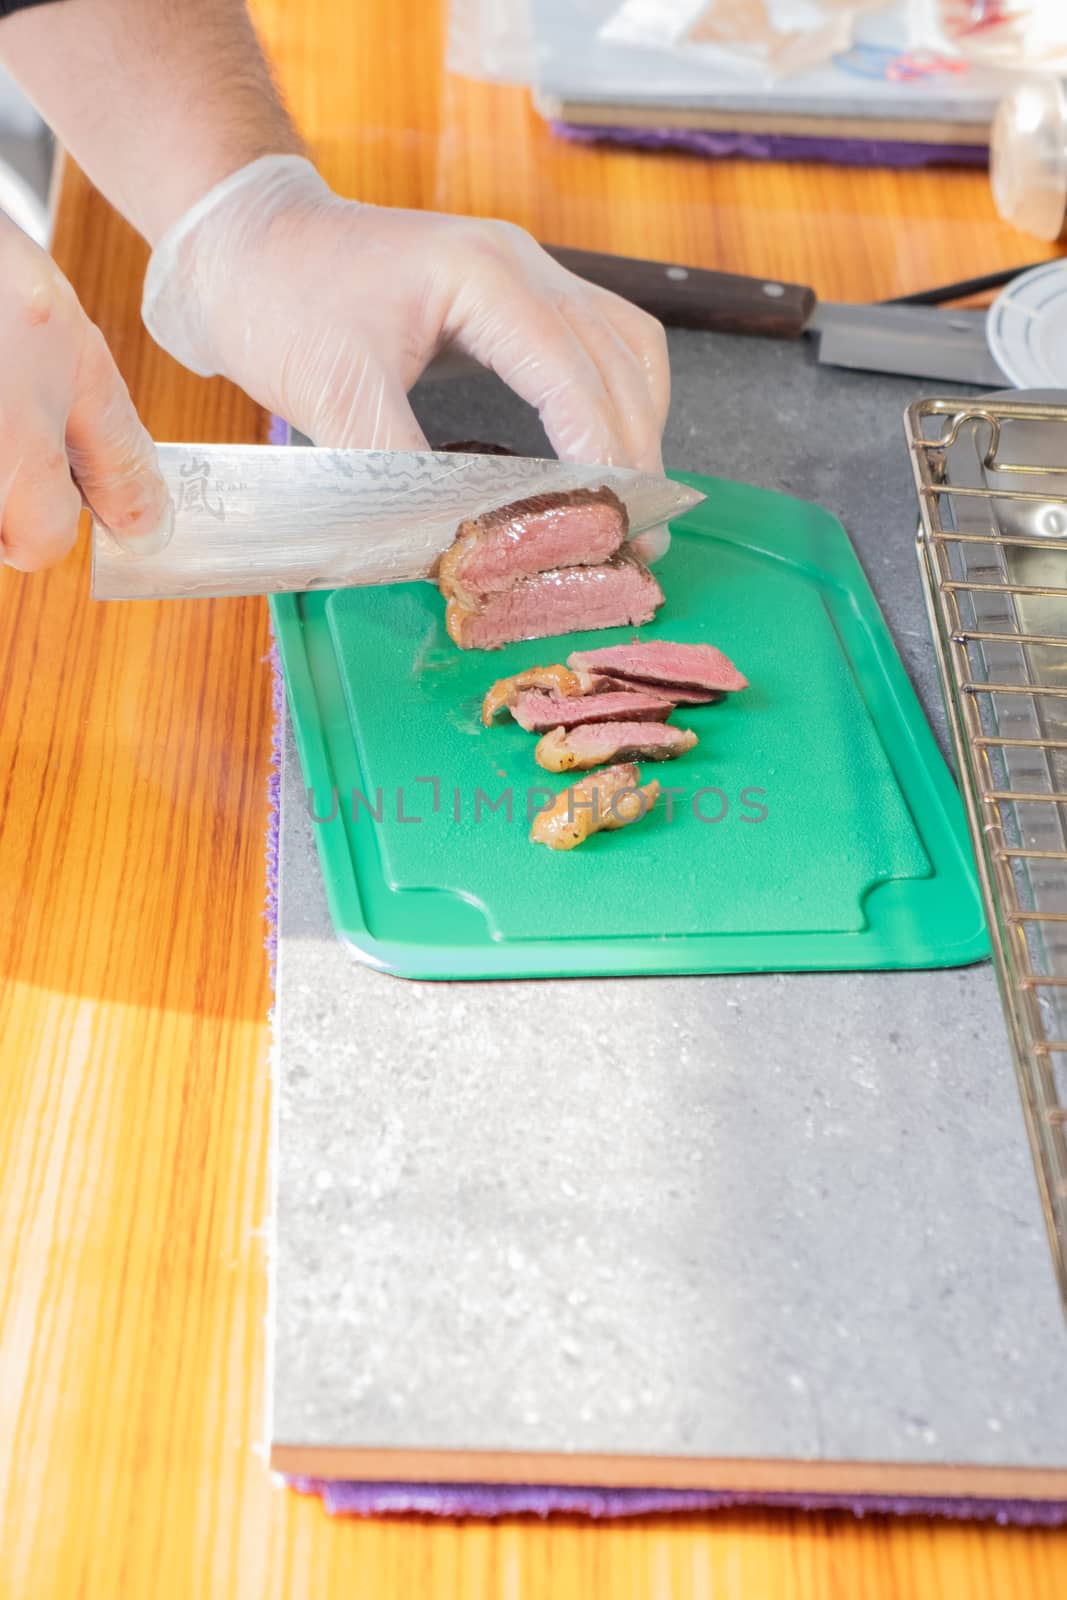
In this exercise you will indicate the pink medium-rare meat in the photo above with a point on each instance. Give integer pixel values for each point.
(548, 565)
(539, 711)
(619, 593)
(594, 683)
(577, 527)
(659, 663)
(609, 799)
(562, 681)
(505, 691)
(591, 744)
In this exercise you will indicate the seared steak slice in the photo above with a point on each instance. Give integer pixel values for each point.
(595, 683)
(505, 691)
(539, 712)
(662, 664)
(619, 593)
(608, 799)
(592, 743)
(568, 684)
(475, 447)
(578, 527)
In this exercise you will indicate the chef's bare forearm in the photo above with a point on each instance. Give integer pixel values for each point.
(157, 100)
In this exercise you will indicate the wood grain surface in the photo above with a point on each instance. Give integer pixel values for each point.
(134, 753)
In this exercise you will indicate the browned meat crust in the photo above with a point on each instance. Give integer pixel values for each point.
(609, 799)
(594, 743)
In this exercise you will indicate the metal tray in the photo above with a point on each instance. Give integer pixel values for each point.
(992, 482)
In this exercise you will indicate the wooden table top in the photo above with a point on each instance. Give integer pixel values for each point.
(134, 758)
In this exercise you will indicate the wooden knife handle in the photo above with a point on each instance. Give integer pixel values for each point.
(693, 297)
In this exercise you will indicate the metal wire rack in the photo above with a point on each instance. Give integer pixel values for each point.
(992, 482)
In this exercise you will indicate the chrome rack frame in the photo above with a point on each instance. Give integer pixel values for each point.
(992, 546)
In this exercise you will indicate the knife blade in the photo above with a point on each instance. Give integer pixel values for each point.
(262, 519)
(919, 341)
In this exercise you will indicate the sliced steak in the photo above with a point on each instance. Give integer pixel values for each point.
(568, 684)
(578, 527)
(617, 594)
(540, 712)
(475, 447)
(609, 799)
(505, 691)
(595, 683)
(663, 664)
(591, 744)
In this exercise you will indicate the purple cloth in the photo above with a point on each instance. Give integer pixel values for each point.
(509, 1500)
(505, 1500)
(779, 146)
(274, 790)
(277, 433)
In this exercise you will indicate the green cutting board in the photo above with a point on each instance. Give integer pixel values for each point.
(815, 826)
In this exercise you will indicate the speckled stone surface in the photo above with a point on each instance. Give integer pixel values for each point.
(760, 1216)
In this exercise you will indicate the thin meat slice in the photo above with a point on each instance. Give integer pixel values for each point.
(591, 744)
(505, 691)
(619, 593)
(539, 711)
(609, 799)
(576, 527)
(659, 662)
(475, 447)
(594, 683)
(562, 681)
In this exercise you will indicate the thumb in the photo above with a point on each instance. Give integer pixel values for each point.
(112, 457)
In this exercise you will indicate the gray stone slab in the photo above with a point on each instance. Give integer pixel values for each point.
(786, 1217)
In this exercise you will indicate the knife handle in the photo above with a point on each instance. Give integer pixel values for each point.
(693, 297)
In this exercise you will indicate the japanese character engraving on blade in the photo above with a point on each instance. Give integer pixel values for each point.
(256, 519)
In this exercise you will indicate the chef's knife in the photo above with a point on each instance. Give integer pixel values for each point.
(921, 341)
(261, 519)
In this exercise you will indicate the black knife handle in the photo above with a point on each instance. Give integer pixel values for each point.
(963, 290)
(694, 297)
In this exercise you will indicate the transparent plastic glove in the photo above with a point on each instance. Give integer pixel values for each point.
(66, 420)
(326, 311)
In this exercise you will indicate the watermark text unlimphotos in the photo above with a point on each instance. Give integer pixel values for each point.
(425, 799)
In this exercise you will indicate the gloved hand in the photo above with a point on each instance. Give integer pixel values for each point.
(66, 418)
(326, 311)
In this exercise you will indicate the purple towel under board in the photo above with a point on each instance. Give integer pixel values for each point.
(491, 1501)
(779, 146)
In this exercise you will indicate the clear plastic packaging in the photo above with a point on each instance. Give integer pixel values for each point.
(1015, 35)
(956, 40)
(491, 39)
(1028, 158)
(495, 39)
(774, 37)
